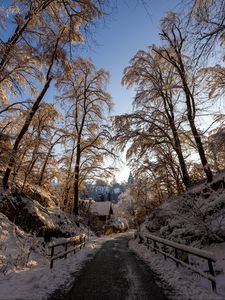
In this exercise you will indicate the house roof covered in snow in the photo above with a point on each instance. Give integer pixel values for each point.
(101, 208)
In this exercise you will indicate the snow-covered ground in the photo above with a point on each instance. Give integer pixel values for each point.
(180, 283)
(24, 264)
(195, 218)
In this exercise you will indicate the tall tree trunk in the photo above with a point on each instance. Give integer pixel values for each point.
(18, 165)
(176, 177)
(185, 176)
(191, 116)
(30, 168)
(190, 103)
(68, 179)
(33, 158)
(177, 144)
(23, 132)
(78, 153)
(76, 180)
(41, 177)
(177, 62)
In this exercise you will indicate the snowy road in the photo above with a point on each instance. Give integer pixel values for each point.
(115, 273)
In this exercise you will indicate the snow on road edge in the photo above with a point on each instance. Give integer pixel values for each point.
(39, 283)
(176, 283)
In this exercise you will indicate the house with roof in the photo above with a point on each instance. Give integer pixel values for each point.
(103, 210)
(100, 214)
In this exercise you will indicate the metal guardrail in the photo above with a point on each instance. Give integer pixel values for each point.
(184, 251)
(76, 242)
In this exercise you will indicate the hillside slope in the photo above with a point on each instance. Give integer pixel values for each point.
(195, 218)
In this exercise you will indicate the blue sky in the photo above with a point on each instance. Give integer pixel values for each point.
(127, 30)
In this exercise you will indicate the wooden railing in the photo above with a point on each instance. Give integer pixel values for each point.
(74, 243)
(152, 241)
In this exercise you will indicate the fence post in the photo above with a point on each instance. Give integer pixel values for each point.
(164, 250)
(80, 242)
(155, 246)
(74, 245)
(176, 256)
(52, 251)
(51, 264)
(185, 257)
(211, 271)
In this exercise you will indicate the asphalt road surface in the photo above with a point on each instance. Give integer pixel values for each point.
(115, 273)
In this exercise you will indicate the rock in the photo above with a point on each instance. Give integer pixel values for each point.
(24, 212)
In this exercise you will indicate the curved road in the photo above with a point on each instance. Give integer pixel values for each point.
(115, 273)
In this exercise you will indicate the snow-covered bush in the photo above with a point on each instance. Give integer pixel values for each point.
(119, 224)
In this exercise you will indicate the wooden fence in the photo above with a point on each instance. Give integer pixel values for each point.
(152, 241)
(74, 243)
